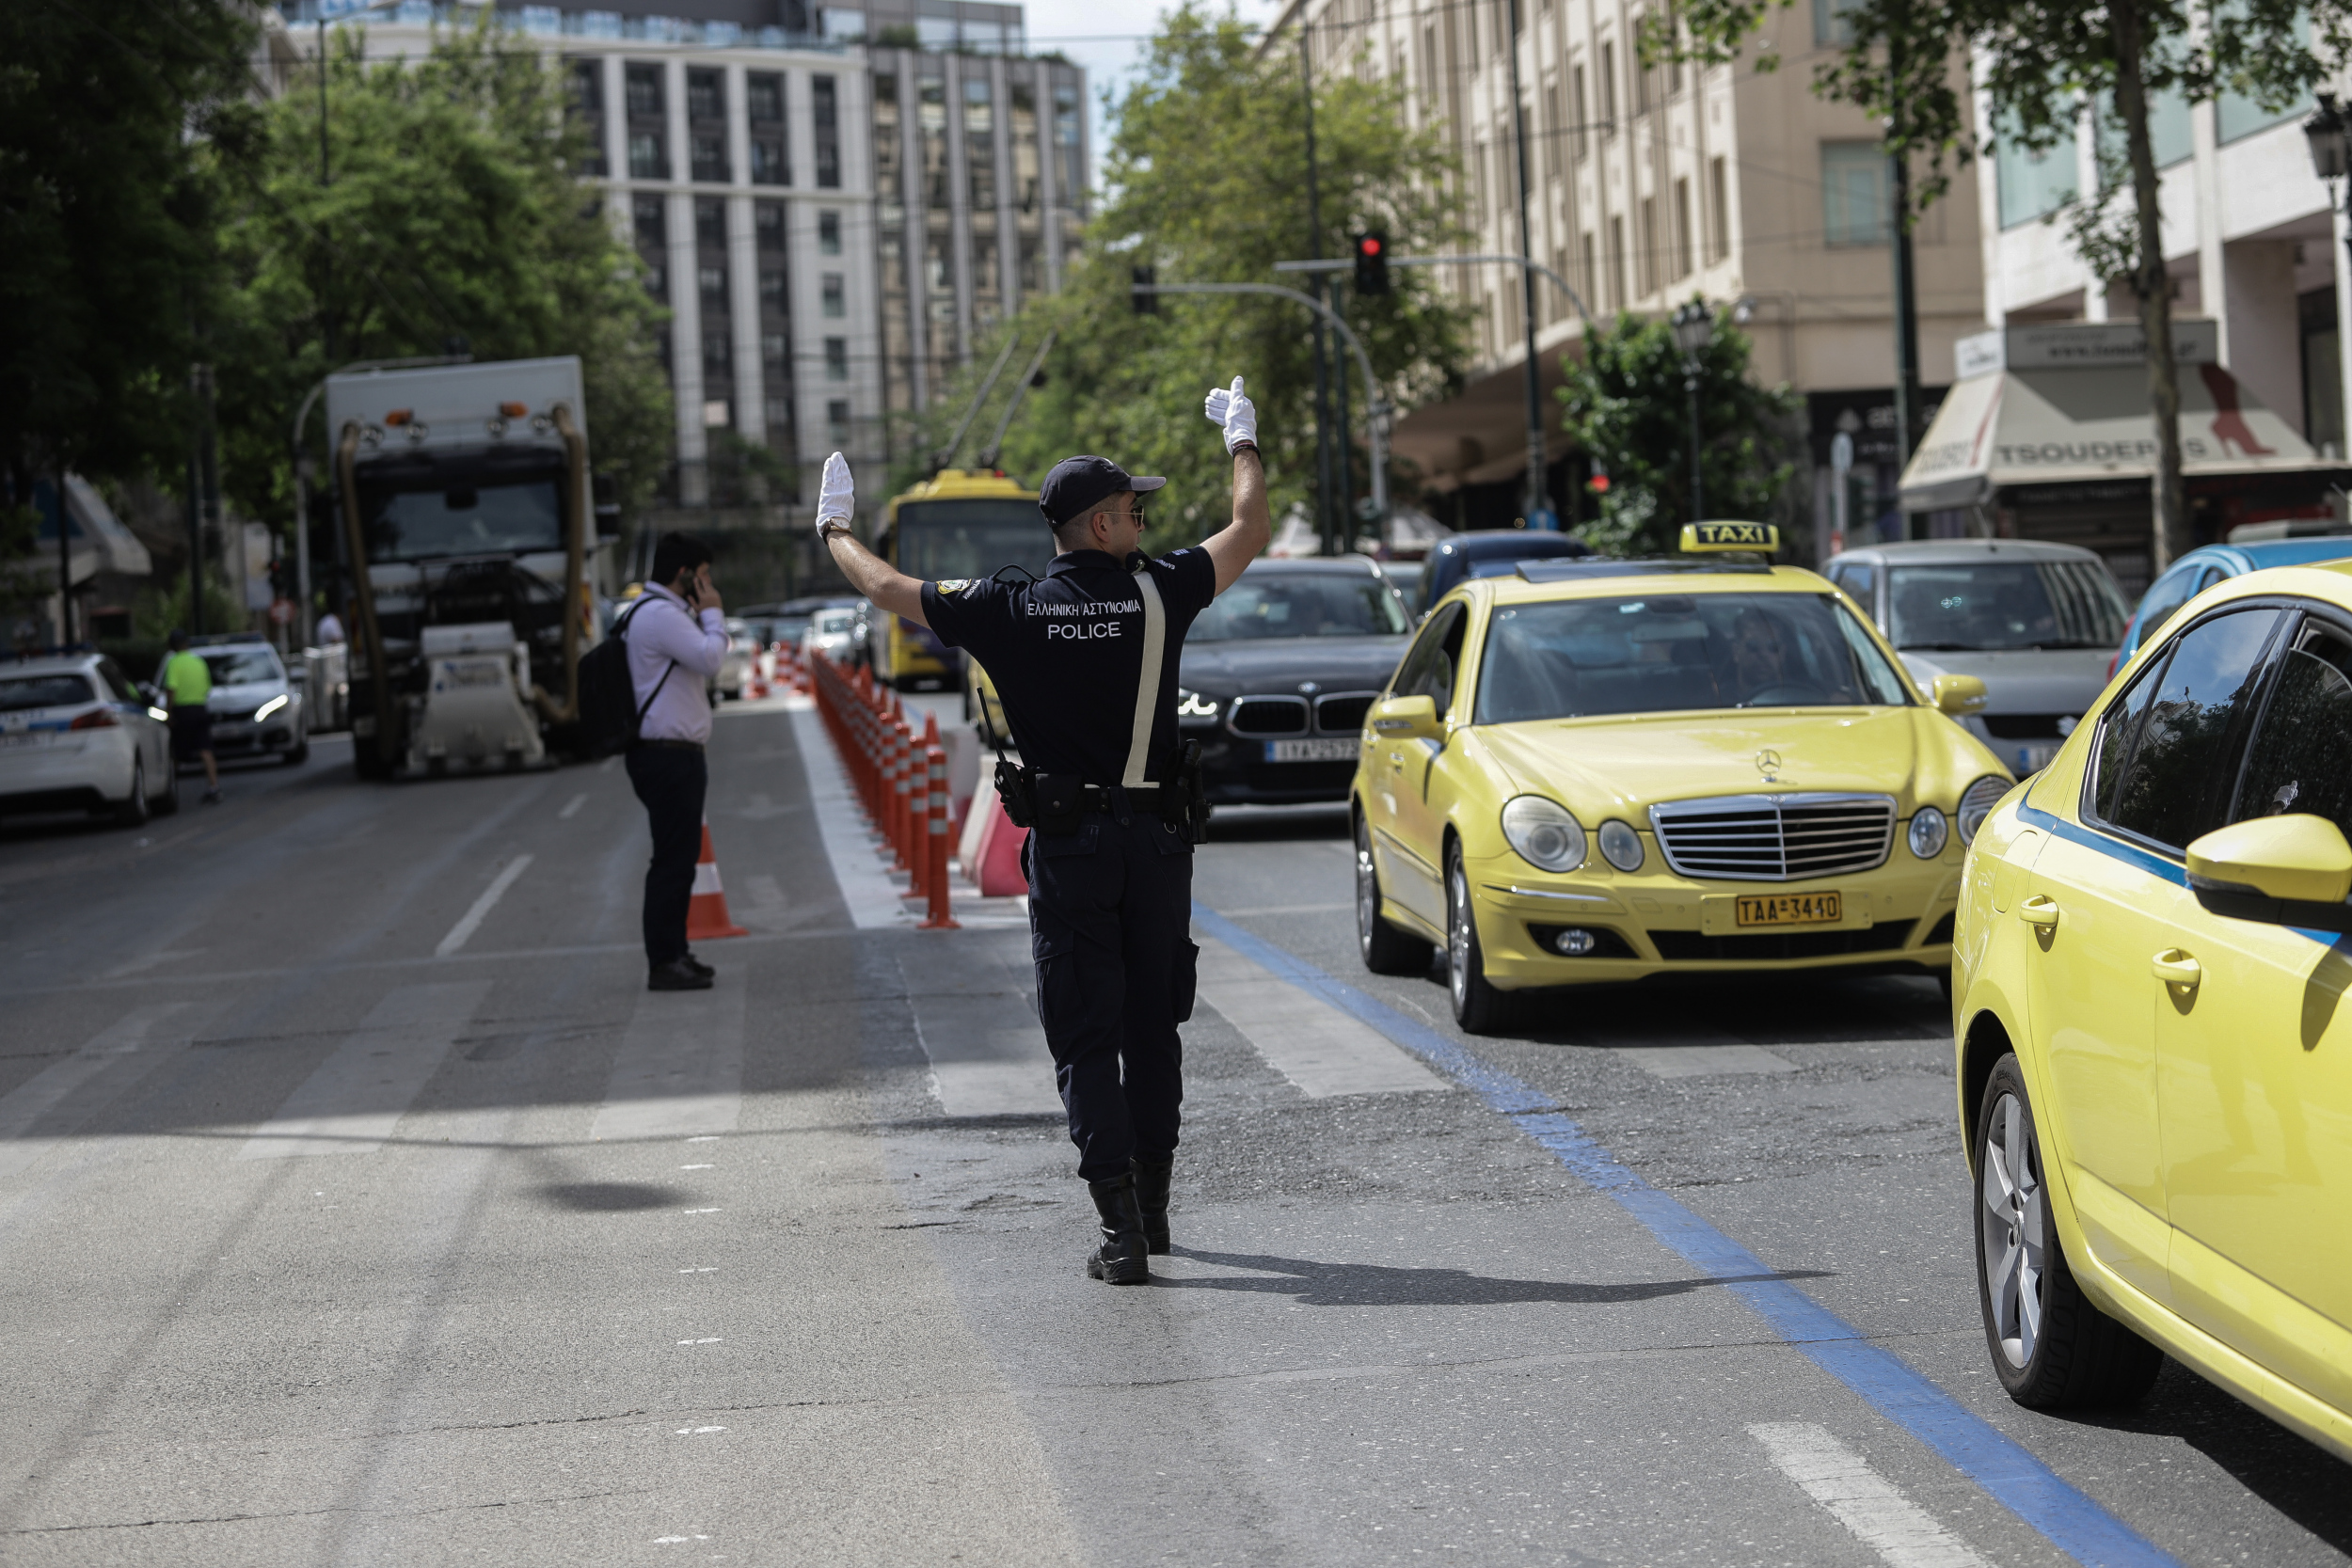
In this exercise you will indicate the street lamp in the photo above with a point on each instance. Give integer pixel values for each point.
(1693, 328)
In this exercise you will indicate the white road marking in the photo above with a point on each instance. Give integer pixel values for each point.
(471, 920)
(699, 1341)
(713, 1269)
(353, 1101)
(698, 1168)
(1321, 1050)
(679, 1069)
(871, 894)
(45, 1090)
(1286, 909)
(698, 1211)
(1702, 1061)
(1903, 1533)
(691, 1431)
(571, 808)
(161, 956)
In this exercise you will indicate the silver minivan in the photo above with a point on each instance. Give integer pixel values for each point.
(2036, 622)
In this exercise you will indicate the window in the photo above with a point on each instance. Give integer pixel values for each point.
(763, 98)
(1025, 152)
(834, 290)
(1586, 275)
(1719, 208)
(710, 224)
(2170, 135)
(773, 351)
(1854, 193)
(587, 82)
(825, 109)
(1608, 83)
(836, 359)
(2300, 759)
(979, 143)
(713, 283)
(711, 160)
(1686, 247)
(2030, 184)
(837, 422)
(1831, 28)
(767, 224)
(2170, 732)
(769, 165)
(829, 233)
(647, 215)
(714, 354)
(1648, 270)
(1070, 178)
(706, 95)
(2172, 590)
(1859, 578)
(1430, 665)
(771, 289)
(1287, 605)
(646, 160)
(1616, 263)
(2003, 604)
(1578, 111)
(644, 89)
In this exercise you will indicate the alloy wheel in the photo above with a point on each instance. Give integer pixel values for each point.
(1457, 935)
(2013, 1220)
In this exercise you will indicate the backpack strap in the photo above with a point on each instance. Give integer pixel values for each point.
(622, 632)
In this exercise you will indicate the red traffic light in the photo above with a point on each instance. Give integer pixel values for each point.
(1369, 244)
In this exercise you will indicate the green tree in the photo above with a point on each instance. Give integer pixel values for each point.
(454, 214)
(1206, 171)
(1626, 403)
(2040, 65)
(107, 119)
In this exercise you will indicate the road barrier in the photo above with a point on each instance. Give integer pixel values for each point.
(707, 917)
(901, 780)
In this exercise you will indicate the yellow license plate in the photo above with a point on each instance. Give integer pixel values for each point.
(1792, 908)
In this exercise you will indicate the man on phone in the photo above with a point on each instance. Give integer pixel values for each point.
(677, 637)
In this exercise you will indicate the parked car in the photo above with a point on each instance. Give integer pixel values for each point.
(75, 734)
(257, 709)
(2036, 622)
(2150, 1037)
(1278, 673)
(734, 668)
(1494, 552)
(2208, 564)
(833, 631)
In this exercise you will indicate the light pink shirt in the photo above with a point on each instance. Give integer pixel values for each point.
(661, 629)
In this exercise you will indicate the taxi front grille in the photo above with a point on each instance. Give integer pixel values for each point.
(1775, 838)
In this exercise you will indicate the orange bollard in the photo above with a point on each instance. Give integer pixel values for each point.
(937, 916)
(902, 795)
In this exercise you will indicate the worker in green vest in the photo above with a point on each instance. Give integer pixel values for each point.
(187, 685)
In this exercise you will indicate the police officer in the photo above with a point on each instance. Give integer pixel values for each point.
(1085, 661)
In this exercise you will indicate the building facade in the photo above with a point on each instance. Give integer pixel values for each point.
(1647, 185)
(835, 206)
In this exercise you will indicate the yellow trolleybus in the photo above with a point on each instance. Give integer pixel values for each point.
(960, 523)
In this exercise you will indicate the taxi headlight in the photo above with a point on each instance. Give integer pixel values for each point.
(1620, 845)
(1928, 833)
(1544, 833)
(1977, 803)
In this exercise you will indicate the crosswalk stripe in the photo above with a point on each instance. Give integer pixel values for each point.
(978, 1025)
(24, 1106)
(1903, 1533)
(679, 1069)
(353, 1101)
(1702, 1061)
(1320, 1049)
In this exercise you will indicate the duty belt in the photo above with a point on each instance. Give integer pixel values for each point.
(1140, 799)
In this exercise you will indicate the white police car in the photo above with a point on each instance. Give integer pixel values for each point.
(75, 734)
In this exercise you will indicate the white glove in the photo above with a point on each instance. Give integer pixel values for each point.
(1232, 412)
(836, 496)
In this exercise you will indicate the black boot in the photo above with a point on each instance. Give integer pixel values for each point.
(1152, 1178)
(1119, 1260)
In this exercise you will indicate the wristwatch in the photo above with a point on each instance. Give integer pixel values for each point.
(830, 527)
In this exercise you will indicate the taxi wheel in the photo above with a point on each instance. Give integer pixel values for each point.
(1478, 1007)
(2051, 1348)
(1386, 949)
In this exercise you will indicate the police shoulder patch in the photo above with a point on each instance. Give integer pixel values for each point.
(953, 585)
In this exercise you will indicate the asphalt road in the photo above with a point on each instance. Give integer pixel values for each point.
(359, 1206)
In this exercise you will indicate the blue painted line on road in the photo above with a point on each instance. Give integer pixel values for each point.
(2005, 1469)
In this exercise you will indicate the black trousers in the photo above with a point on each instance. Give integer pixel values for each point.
(1110, 914)
(670, 780)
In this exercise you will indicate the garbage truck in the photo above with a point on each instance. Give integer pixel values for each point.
(463, 496)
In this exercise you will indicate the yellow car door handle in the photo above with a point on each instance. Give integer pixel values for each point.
(2176, 968)
(2041, 909)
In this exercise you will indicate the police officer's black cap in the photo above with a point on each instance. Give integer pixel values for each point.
(1079, 483)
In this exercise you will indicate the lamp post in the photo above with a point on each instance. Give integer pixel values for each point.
(1693, 328)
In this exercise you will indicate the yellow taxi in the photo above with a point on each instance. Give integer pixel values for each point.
(2155, 1057)
(1610, 769)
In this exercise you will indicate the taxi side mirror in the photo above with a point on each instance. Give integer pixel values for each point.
(2291, 870)
(1407, 718)
(1957, 695)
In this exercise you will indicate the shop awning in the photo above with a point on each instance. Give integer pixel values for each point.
(2040, 425)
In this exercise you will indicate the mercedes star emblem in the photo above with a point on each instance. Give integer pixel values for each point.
(1768, 761)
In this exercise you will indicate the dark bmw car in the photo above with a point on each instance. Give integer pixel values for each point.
(1279, 671)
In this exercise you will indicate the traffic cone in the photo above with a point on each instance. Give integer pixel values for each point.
(999, 855)
(707, 917)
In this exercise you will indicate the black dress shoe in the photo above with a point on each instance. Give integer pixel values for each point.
(677, 975)
(697, 965)
(1119, 1260)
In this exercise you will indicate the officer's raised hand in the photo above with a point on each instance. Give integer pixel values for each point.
(1230, 410)
(836, 496)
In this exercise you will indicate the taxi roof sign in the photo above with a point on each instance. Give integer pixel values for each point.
(1762, 537)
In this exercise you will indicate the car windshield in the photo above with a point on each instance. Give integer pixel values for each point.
(832, 622)
(972, 538)
(20, 692)
(464, 519)
(1302, 604)
(2005, 604)
(239, 666)
(1572, 658)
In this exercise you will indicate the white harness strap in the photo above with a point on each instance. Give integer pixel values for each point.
(1148, 689)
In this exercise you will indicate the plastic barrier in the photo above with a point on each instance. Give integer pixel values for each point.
(900, 779)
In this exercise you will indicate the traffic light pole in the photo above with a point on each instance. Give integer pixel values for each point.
(1375, 409)
(1527, 262)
